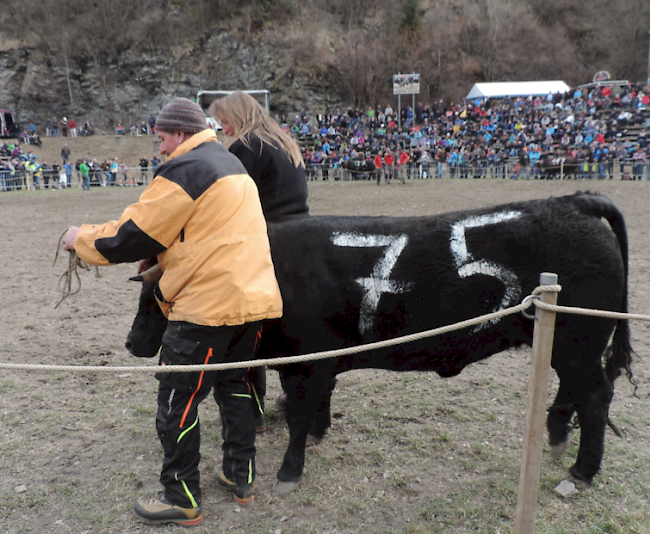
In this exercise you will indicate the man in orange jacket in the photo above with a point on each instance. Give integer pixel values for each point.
(201, 220)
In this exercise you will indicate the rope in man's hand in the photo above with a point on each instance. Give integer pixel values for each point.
(69, 281)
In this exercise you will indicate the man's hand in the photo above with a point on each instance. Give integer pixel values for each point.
(70, 236)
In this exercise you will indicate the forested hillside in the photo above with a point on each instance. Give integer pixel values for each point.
(118, 60)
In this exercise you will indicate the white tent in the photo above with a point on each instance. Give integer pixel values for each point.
(505, 89)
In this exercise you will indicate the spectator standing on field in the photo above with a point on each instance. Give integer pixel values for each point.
(144, 164)
(155, 161)
(65, 153)
(85, 175)
(389, 163)
(114, 172)
(125, 175)
(67, 166)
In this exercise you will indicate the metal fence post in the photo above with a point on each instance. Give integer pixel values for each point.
(535, 415)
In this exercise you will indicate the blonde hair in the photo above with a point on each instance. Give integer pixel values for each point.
(247, 116)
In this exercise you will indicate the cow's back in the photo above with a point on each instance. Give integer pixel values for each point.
(352, 280)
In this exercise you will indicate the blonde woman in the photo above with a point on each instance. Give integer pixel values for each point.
(270, 155)
(272, 158)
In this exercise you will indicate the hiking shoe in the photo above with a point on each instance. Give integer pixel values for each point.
(243, 493)
(158, 509)
(260, 424)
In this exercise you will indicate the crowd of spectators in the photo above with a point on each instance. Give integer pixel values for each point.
(604, 127)
(23, 170)
(20, 169)
(144, 128)
(54, 127)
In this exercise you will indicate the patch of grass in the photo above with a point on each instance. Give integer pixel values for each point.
(470, 510)
(308, 499)
(143, 411)
(479, 448)
(468, 465)
(300, 528)
(342, 525)
(418, 447)
(6, 386)
(352, 506)
(376, 457)
(460, 417)
(51, 417)
(416, 529)
(628, 419)
(64, 490)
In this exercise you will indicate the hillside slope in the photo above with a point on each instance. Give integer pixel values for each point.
(126, 148)
(121, 60)
(100, 147)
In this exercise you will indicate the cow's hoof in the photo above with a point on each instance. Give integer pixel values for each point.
(284, 488)
(313, 440)
(579, 484)
(281, 400)
(559, 449)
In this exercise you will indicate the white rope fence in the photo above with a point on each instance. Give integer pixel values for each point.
(525, 304)
(591, 313)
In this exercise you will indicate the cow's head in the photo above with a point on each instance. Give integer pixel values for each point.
(146, 333)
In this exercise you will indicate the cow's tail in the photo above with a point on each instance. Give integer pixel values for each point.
(618, 357)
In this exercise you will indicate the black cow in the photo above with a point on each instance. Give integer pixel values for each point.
(366, 279)
(361, 169)
(551, 165)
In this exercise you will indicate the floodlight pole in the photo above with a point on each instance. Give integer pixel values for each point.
(399, 104)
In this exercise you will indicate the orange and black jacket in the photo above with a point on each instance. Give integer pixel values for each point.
(201, 215)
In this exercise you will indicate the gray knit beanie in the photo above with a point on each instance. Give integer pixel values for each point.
(181, 115)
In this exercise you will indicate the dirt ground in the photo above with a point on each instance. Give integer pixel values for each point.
(407, 453)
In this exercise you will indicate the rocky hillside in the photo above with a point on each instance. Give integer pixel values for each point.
(120, 60)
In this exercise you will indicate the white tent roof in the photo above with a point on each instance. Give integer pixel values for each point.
(504, 89)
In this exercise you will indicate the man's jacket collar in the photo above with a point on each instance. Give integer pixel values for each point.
(197, 139)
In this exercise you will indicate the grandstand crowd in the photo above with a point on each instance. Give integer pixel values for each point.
(603, 127)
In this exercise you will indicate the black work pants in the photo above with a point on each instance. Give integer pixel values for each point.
(179, 396)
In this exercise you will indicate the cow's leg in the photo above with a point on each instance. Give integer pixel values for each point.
(323, 419)
(305, 395)
(559, 420)
(592, 394)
